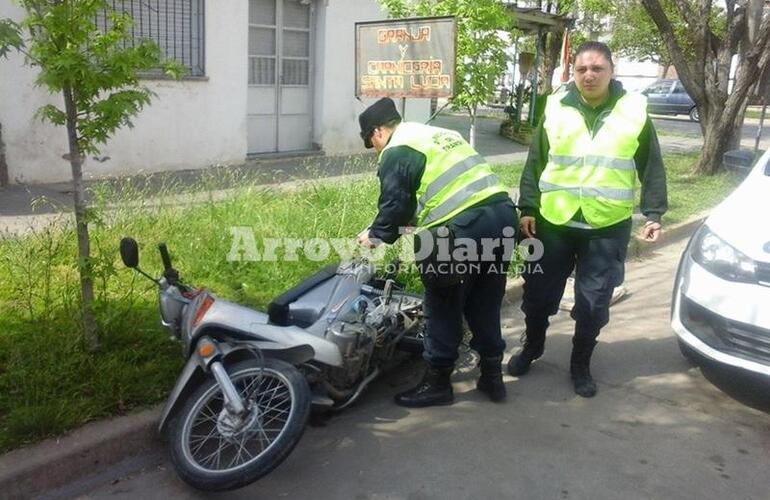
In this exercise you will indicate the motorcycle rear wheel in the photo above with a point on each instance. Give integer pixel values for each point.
(211, 452)
(412, 342)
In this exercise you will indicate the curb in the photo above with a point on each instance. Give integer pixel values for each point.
(637, 249)
(56, 462)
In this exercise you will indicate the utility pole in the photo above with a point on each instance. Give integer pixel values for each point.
(3, 165)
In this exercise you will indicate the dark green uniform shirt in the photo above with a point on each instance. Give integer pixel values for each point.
(648, 159)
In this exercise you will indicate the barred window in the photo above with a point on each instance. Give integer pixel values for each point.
(177, 26)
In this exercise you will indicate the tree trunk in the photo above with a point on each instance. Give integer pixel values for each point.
(472, 132)
(706, 75)
(551, 60)
(81, 221)
(735, 131)
(3, 165)
(716, 139)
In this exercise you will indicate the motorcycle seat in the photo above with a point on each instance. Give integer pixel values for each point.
(279, 311)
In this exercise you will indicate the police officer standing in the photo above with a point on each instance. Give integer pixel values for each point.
(432, 179)
(577, 196)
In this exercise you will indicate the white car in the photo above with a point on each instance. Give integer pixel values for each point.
(721, 301)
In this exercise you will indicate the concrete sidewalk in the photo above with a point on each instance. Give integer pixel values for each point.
(657, 429)
(19, 210)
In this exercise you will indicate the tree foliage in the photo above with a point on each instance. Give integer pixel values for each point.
(634, 34)
(102, 67)
(96, 71)
(481, 51)
(636, 37)
(702, 52)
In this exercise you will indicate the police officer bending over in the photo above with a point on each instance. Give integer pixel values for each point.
(431, 178)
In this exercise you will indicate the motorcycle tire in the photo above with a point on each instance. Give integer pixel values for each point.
(202, 431)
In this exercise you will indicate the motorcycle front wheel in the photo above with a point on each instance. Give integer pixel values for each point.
(213, 450)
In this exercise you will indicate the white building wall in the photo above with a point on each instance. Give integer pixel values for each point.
(336, 107)
(636, 75)
(190, 124)
(193, 124)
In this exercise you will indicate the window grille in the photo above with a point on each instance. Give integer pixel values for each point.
(267, 33)
(176, 26)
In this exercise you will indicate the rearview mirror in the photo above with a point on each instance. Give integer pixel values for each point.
(129, 252)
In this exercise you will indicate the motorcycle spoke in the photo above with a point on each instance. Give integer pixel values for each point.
(212, 457)
(283, 422)
(202, 441)
(209, 418)
(270, 404)
(266, 390)
(277, 410)
(236, 458)
(247, 390)
(241, 448)
(272, 396)
(262, 432)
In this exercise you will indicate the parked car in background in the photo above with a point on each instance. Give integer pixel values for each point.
(669, 97)
(721, 301)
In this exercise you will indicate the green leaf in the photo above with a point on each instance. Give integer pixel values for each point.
(10, 37)
(481, 52)
(52, 114)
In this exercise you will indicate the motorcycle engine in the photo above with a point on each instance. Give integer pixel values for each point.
(356, 341)
(365, 326)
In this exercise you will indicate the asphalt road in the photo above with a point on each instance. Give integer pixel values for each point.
(489, 143)
(659, 428)
(681, 125)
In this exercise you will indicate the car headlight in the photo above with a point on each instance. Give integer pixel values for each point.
(721, 259)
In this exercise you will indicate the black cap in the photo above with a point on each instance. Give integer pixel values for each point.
(379, 113)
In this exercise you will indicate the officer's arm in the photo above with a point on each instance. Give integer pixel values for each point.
(652, 174)
(529, 192)
(400, 172)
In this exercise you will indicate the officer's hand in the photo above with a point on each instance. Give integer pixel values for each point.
(366, 242)
(651, 231)
(527, 226)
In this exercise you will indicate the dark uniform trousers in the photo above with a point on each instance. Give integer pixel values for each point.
(598, 258)
(476, 296)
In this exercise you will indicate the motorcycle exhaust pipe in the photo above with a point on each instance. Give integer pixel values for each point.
(352, 395)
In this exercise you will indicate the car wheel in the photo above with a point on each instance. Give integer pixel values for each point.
(694, 115)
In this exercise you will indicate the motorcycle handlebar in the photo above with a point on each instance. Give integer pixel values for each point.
(165, 257)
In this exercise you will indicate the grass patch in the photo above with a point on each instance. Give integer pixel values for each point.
(674, 133)
(50, 384)
(689, 195)
(756, 114)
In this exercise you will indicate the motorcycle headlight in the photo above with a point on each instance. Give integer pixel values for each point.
(721, 259)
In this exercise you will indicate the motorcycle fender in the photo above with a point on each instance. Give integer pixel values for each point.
(191, 376)
(227, 316)
(194, 372)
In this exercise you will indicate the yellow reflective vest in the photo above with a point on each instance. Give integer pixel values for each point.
(592, 172)
(456, 177)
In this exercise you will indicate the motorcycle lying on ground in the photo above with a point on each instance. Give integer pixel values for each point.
(245, 394)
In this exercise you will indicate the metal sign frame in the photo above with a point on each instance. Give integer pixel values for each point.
(406, 93)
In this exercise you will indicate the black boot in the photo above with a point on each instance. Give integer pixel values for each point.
(580, 363)
(534, 344)
(434, 389)
(519, 365)
(491, 380)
